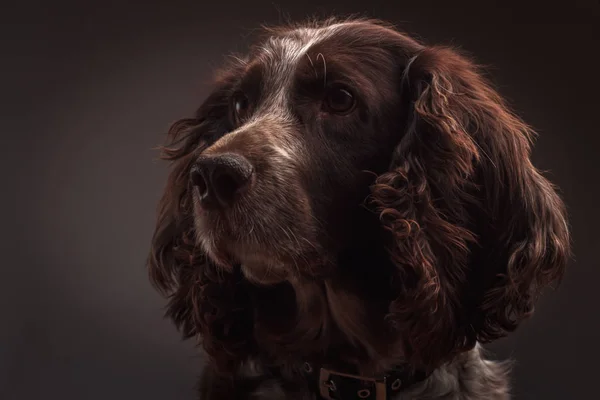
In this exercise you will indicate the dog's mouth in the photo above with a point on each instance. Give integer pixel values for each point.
(259, 263)
(270, 240)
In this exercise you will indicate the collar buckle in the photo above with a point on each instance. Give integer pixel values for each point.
(327, 385)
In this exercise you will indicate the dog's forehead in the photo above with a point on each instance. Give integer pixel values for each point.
(354, 47)
(292, 45)
(277, 58)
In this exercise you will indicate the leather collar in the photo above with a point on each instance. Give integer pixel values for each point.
(333, 385)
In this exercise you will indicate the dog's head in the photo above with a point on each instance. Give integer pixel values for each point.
(329, 135)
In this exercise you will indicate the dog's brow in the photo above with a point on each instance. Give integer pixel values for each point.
(279, 57)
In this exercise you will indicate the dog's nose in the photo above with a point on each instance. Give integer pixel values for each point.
(218, 178)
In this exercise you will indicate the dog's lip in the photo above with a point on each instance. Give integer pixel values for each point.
(270, 276)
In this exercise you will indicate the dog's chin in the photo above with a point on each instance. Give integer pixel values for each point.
(263, 267)
(286, 258)
(257, 265)
(262, 275)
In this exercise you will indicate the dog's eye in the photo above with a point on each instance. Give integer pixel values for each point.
(339, 100)
(241, 106)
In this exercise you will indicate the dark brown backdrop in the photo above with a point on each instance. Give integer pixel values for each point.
(89, 88)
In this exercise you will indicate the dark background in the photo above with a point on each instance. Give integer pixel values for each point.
(88, 89)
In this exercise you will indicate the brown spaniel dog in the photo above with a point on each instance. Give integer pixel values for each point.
(349, 214)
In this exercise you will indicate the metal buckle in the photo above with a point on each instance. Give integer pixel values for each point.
(325, 383)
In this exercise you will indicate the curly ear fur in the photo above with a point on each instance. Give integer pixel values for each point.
(204, 301)
(476, 231)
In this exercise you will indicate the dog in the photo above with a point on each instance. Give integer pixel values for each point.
(351, 214)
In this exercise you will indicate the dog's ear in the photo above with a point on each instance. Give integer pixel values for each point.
(204, 301)
(476, 230)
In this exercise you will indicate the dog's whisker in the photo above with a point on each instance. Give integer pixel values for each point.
(312, 65)
(324, 69)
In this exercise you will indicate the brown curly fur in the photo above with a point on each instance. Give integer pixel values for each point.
(460, 231)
